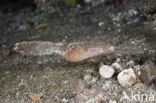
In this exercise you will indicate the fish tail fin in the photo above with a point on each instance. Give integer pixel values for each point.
(131, 51)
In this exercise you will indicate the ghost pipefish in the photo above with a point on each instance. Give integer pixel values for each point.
(72, 52)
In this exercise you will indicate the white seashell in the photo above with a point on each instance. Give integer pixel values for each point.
(106, 71)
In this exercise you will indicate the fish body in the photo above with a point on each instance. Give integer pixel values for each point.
(72, 52)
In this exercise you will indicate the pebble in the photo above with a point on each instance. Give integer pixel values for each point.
(118, 60)
(127, 78)
(132, 12)
(4, 52)
(106, 71)
(36, 97)
(131, 63)
(22, 27)
(148, 75)
(101, 23)
(116, 65)
(112, 101)
(106, 86)
(64, 100)
(87, 77)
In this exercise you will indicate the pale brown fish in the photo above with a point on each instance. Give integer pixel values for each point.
(72, 52)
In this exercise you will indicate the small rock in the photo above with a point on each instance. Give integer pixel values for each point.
(118, 60)
(34, 97)
(22, 27)
(127, 78)
(116, 66)
(94, 79)
(106, 71)
(131, 63)
(65, 82)
(4, 52)
(112, 101)
(94, 60)
(106, 86)
(132, 12)
(42, 25)
(90, 78)
(87, 77)
(148, 75)
(52, 90)
(64, 100)
(3, 78)
(101, 23)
